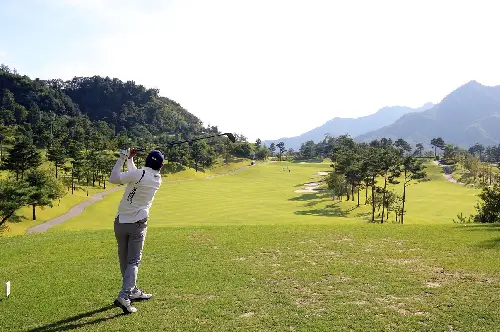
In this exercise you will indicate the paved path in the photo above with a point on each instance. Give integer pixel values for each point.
(447, 173)
(73, 212)
(79, 208)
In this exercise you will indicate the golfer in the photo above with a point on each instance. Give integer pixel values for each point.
(131, 221)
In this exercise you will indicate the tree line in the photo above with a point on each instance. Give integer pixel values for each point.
(373, 167)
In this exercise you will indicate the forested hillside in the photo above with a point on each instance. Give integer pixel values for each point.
(102, 113)
(112, 106)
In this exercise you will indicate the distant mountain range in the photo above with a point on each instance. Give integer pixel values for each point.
(468, 115)
(352, 126)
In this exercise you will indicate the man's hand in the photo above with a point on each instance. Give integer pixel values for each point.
(124, 154)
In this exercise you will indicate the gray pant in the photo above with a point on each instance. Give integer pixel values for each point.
(130, 239)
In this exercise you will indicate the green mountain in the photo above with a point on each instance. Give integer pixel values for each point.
(468, 115)
(78, 108)
(352, 126)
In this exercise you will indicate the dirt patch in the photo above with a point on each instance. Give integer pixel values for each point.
(247, 314)
(430, 284)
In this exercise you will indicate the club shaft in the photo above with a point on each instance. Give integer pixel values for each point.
(195, 139)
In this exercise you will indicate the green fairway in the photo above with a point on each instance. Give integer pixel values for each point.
(245, 252)
(265, 194)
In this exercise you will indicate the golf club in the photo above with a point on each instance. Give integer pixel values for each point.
(229, 136)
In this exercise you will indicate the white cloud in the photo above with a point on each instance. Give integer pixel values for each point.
(279, 68)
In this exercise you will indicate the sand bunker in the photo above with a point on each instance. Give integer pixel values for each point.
(309, 188)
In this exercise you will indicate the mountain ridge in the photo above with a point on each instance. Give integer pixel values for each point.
(468, 115)
(352, 126)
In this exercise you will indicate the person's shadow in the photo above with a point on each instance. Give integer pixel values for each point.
(72, 322)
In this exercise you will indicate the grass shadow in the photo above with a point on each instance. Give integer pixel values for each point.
(490, 244)
(492, 227)
(312, 161)
(308, 197)
(364, 215)
(331, 210)
(17, 219)
(71, 323)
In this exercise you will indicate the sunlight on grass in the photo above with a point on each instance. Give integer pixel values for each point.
(264, 194)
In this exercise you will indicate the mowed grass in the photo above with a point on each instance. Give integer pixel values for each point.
(244, 252)
(348, 277)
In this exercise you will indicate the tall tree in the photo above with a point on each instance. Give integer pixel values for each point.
(437, 143)
(201, 155)
(412, 169)
(57, 154)
(43, 189)
(3, 136)
(389, 169)
(272, 148)
(22, 156)
(419, 149)
(477, 150)
(308, 150)
(403, 146)
(13, 196)
(7, 108)
(281, 147)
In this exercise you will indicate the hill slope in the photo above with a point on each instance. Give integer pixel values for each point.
(113, 106)
(352, 126)
(468, 115)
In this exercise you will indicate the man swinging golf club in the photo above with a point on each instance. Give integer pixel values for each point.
(131, 220)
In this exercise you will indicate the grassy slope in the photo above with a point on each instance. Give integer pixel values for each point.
(311, 270)
(23, 219)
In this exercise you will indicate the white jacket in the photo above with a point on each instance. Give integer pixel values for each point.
(142, 185)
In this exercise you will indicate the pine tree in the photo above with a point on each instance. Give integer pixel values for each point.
(22, 157)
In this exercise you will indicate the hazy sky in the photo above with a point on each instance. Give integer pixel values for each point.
(263, 68)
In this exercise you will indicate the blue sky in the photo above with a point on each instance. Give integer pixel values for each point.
(263, 68)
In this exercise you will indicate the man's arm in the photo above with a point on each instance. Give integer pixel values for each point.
(118, 177)
(130, 164)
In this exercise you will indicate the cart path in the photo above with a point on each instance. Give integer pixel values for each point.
(73, 212)
(446, 174)
(79, 208)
